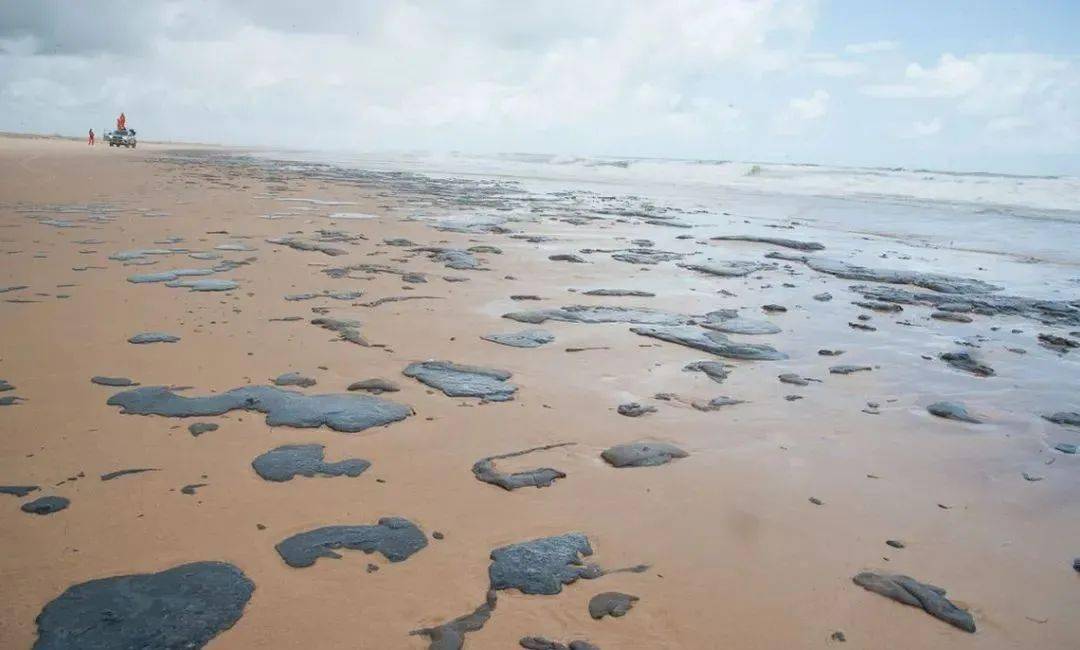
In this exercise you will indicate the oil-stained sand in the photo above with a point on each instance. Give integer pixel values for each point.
(745, 559)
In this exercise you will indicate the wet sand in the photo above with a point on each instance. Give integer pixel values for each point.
(739, 556)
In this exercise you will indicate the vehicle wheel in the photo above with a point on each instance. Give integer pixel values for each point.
(132, 146)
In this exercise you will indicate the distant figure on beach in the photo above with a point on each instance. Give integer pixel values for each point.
(121, 122)
(90, 142)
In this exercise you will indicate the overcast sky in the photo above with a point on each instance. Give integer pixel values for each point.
(987, 85)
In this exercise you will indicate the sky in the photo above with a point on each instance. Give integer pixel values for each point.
(974, 86)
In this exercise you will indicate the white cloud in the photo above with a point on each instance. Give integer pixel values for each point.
(1003, 94)
(871, 47)
(697, 78)
(810, 108)
(1022, 83)
(801, 112)
(952, 77)
(475, 72)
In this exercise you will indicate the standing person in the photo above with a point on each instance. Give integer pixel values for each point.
(121, 122)
(90, 142)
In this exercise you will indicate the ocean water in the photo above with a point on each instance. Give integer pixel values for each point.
(1040, 196)
(995, 224)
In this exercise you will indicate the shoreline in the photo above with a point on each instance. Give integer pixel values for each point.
(13, 135)
(739, 556)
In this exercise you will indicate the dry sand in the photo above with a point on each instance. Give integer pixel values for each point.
(739, 557)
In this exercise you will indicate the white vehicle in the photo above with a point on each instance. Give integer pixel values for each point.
(121, 138)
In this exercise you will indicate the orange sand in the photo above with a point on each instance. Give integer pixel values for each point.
(740, 558)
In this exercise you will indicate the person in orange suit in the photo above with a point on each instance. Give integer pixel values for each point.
(90, 141)
(121, 122)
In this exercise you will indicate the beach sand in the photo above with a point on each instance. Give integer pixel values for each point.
(739, 556)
